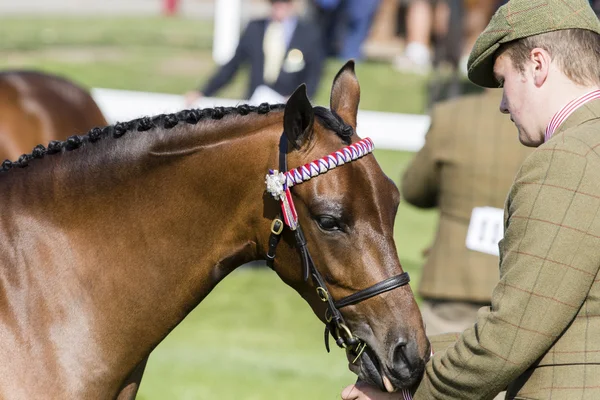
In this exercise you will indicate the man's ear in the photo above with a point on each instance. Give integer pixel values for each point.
(345, 94)
(298, 118)
(541, 61)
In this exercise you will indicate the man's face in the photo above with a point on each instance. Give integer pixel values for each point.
(280, 10)
(518, 100)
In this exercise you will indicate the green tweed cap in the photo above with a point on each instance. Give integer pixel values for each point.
(522, 18)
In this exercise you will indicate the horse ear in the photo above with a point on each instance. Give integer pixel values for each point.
(298, 118)
(345, 94)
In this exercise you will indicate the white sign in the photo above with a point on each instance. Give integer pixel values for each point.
(486, 229)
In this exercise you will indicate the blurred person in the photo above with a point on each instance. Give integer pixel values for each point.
(345, 25)
(359, 17)
(540, 337)
(282, 51)
(466, 167)
(329, 17)
(478, 14)
(432, 18)
(417, 56)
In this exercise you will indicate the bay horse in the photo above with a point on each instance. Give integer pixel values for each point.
(108, 240)
(37, 107)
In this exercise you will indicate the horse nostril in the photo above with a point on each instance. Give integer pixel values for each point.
(399, 356)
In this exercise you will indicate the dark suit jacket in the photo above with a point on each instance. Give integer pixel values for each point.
(250, 50)
(470, 158)
(541, 336)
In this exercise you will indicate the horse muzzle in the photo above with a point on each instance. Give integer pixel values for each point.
(402, 368)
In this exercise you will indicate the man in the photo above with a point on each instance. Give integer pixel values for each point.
(541, 336)
(465, 169)
(283, 52)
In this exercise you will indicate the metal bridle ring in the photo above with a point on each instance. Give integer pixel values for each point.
(343, 326)
(323, 295)
(328, 316)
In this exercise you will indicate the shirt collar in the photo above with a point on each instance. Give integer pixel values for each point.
(567, 110)
(289, 26)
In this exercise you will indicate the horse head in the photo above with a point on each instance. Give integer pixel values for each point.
(337, 249)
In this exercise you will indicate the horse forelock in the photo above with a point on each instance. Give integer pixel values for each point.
(332, 121)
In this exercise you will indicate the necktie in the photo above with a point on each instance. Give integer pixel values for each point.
(274, 51)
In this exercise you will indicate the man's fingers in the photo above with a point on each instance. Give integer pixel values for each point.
(350, 393)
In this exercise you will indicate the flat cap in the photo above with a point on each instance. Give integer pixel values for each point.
(523, 18)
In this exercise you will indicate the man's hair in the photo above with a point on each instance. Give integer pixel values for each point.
(575, 51)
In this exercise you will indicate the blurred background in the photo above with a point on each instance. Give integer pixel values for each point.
(253, 337)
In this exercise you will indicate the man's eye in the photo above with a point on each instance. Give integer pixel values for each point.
(328, 223)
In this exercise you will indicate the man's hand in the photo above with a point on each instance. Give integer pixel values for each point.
(192, 97)
(362, 391)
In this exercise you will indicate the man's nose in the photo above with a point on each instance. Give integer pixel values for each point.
(503, 106)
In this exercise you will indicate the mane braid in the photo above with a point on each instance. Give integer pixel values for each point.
(332, 121)
(166, 121)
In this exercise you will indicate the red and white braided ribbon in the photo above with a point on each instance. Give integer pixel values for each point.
(279, 183)
(317, 167)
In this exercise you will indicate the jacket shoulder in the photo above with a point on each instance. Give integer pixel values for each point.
(583, 138)
(568, 162)
(255, 25)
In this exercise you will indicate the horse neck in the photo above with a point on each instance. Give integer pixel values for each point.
(146, 239)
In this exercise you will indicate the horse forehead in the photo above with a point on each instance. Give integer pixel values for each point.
(370, 184)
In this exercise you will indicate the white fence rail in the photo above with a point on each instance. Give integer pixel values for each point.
(388, 130)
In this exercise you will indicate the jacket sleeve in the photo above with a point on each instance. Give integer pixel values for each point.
(420, 182)
(226, 72)
(549, 260)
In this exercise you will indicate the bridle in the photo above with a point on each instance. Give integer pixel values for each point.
(279, 185)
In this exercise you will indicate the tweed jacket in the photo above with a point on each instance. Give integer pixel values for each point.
(541, 335)
(469, 159)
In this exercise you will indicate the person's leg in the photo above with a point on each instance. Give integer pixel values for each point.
(360, 15)
(419, 21)
(417, 53)
(327, 15)
(441, 18)
(478, 14)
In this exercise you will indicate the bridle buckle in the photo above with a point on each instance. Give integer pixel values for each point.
(276, 226)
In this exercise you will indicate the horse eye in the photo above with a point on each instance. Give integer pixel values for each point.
(328, 223)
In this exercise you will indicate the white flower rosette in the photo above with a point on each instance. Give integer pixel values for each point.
(275, 181)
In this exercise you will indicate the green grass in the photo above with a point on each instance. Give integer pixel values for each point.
(166, 55)
(253, 337)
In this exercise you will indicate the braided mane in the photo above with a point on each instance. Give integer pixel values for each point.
(167, 121)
